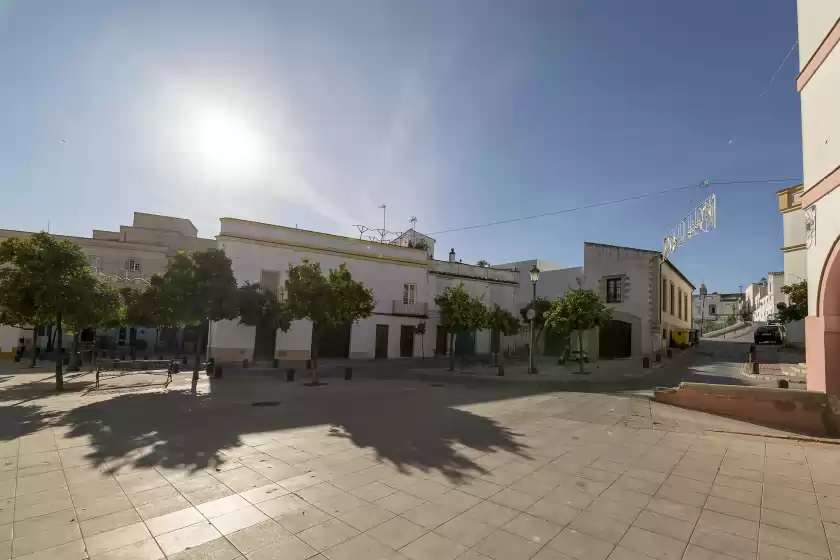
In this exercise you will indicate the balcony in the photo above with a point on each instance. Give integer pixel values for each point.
(418, 309)
(473, 271)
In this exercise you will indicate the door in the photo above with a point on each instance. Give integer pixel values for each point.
(465, 343)
(614, 339)
(441, 341)
(334, 342)
(555, 343)
(381, 341)
(265, 338)
(407, 341)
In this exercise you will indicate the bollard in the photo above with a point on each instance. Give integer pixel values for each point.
(217, 372)
(658, 358)
(501, 370)
(309, 364)
(348, 373)
(669, 353)
(208, 368)
(755, 368)
(290, 374)
(646, 362)
(245, 363)
(98, 369)
(276, 363)
(184, 360)
(783, 384)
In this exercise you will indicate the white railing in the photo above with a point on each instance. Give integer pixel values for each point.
(417, 309)
(474, 271)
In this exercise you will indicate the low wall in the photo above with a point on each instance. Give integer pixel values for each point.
(727, 330)
(806, 412)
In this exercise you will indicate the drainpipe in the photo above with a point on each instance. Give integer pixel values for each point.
(661, 296)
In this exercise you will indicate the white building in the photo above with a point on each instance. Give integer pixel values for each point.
(649, 296)
(404, 282)
(818, 84)
(716, 307)
(793, 226)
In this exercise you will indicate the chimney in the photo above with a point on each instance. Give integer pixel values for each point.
(452, 255)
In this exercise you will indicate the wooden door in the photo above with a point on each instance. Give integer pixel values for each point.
(381, 341)
(441, 341)
(406, 341)
(614, 339)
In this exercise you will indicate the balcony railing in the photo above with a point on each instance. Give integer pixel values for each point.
(474, 271)
(418, 309)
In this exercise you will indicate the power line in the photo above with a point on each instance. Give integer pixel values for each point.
(703, 185)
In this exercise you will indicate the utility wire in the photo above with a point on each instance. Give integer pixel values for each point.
(702, 185)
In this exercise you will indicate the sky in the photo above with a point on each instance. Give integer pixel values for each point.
(313, 114)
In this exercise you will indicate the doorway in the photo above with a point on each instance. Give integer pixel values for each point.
(615, 339)
(334, 342)
(407, 341)
(441, 341)
(265, 339)
(381, 341)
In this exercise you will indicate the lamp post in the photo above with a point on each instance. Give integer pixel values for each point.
(532, 315)
(703, 292)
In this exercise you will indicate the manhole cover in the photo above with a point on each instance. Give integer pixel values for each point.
(265, 403)
(437, 385)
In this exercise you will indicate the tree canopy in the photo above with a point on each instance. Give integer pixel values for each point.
(328, 301)
(258, 306)
(797, 309)
(49, 280)
(460, 311)
(577, 310)
(196, 288)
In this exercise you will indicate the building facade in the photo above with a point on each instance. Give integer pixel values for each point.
(716, 309)
(126, 258)
(404, 282)
(793, 226)
(818, 84)
(649, 296)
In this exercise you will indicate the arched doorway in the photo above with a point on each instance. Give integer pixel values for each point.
(822, 331)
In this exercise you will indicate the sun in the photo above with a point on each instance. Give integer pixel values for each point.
(224, 144)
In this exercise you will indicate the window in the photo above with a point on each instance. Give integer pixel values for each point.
(679, 303)
(685, 306)
(132, 265)
(672, 299)
(270, 280)
(613, 290)
(664, 294)
(712, 310)
(95, 261)
(409, 293)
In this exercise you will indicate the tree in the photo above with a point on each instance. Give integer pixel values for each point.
(798, 308)
(261, 308)
(482, 263)
(102, 306)
(420, 330)
(330, 301)
(459, 311)
(50, 279)
(577, 310)
(542, 306)
(17, 304)
(197, 288)
(504, 322)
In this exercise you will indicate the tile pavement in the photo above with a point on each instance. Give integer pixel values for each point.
(593, 478)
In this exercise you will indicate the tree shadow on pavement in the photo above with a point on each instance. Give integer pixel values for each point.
(418, 428)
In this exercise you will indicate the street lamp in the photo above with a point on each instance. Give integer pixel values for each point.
(703, 292)
(532, 315)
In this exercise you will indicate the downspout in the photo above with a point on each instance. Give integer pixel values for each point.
(661, 296)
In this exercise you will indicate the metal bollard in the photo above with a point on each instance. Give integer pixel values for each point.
(98, 369)
(290, 374)
(501, 370)
(276, 363)
(646, 362)
(658, 358)
(348, 373)
(755, 368)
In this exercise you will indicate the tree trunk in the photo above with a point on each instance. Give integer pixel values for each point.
(452, 351)
(314, 359)
(59, 373)
(422, 346)
(74, 357)
(580, 349)
(197, 354)
(34, 346)
(157, 335)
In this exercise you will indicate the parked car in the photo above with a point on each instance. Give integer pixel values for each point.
(770, 333)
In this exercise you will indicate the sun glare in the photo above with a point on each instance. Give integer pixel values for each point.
(225, 144)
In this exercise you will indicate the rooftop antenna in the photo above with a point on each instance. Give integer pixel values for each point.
(413, 221)
(383, 231)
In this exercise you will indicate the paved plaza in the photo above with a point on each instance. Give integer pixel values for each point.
(371, 469)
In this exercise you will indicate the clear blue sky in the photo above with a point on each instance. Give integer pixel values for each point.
(314, 113)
